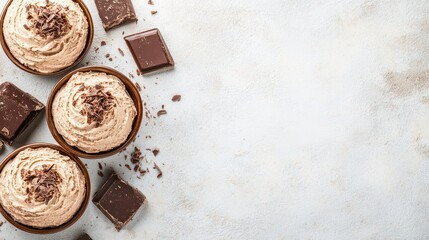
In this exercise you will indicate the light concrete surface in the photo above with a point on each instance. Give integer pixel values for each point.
(299, 119)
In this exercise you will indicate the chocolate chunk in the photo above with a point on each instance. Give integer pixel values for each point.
(115, 13)
(84, 237)
(118, 201)
(150, 51)
(18, 109)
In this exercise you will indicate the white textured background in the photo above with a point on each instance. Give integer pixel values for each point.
(298, 120)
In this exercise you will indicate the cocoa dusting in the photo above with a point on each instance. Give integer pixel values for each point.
(49, 21)
(42, 184)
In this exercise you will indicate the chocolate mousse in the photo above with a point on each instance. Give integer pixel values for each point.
(42, 188)
(94, 112)
(46, 36)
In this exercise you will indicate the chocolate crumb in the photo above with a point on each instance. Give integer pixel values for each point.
(138, 72)
(150, 2)
(155, 166)
(121, 52)
(138, 86)
(1, 224)
(96, 49)
(130, 75)
(153, 12)
(136, 168)
(103, 43)
(155, 152)
(100, 166)
(128, 166)
(161, 112)
(110, 59)
(107, 55)
(100, 173)
(176, 98)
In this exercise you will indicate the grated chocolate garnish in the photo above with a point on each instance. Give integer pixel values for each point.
(96, 103)
(42, 184)
(49, 21)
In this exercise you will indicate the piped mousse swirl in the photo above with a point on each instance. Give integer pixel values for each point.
(94, 112)
(45, 35)
(42, 188)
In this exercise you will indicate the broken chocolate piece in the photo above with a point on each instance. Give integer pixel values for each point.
(84, 237)
(118, 201)
(115, 13)
(150, 51)
(18, 110)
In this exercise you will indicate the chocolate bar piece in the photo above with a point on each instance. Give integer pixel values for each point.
(118, 201)
(115, 12)
(150, 51)
(84, 237)
(18, 109)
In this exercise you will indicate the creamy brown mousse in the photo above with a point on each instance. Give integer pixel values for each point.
(93, 112)
(42, 188)
(45, 35)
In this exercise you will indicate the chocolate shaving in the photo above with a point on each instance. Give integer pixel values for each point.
(42, 184)
(161, 112)
(128, 166)
(155, 152)
(96, 103)
(155, 166)
(153, 12)
(150, 2)
(121, 52)
(138, 86)
(176, 98)
(49, 21)
(103, 43)
(100, 173)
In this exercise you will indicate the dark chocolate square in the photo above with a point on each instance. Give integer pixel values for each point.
(118, 201)
(150, 51)
(18, 109)
(115, 12)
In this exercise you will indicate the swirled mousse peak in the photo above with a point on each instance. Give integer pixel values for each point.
(45, 35)
(94, 112)
(41, 187)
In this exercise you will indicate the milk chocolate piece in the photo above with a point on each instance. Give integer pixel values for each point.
(150, 51)
(115, 12)
(18, 109)
(118, 201)
(84, 237)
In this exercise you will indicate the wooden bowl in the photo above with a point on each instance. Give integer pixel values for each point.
(62, 71)
(134, 94)
(78, 214)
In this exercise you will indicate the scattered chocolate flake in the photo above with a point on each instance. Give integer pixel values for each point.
(153, 12)
(155, 166)
(136, 168)
(1, 223)
(49, 21)
(96, 49)
(96, 103)
(136, 156)
(155, 152)
(138, 86)
(100, 173)
(150, 2)
(107, 55)
(103, 43)
(161, 112)
(138, 72)
(130, 75)
(176, 98)
(123, 32)
(1, 146)
(110, 59)
(128, 166)
(100, 166)
(41, 183)
(121, 52)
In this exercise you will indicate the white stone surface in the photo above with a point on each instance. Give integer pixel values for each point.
(299, 120)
